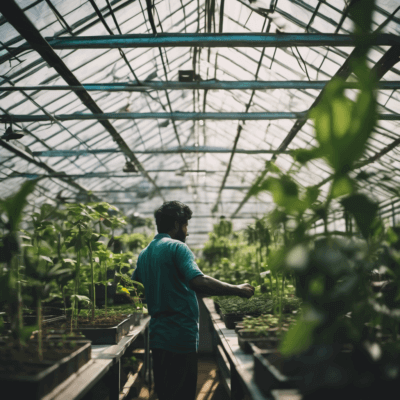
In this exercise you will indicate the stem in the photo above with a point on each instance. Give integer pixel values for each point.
(63, 296)
(93, 288)
(106, 289)
(75, 307)
(39, 322)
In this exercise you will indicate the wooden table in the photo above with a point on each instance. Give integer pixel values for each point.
(104, 365)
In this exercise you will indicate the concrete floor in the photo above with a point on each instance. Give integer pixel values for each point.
(209, 386)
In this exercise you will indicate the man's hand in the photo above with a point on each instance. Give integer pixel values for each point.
(245, 290)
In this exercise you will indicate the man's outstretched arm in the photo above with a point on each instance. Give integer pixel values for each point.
(205, 285)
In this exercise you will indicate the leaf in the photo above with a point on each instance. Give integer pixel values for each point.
(69, 260)
(303, 156)
(300, 336)
(363, 210)
(15, 204)
(48, 259)
(342, 186)
(107, 223)
(80, 298)
(26, 332)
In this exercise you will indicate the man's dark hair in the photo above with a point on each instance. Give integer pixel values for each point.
(170, 212)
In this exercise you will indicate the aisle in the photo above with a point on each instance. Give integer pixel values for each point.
(209, 386)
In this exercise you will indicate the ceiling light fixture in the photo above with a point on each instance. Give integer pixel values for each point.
(9, 134)
(129, 167)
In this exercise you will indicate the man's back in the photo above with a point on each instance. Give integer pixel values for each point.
(165, 267)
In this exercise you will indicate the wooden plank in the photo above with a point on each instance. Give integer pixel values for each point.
(131, 383)
(241, 364)
(78, 384)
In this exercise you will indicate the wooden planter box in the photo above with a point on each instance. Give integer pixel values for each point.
(36, 385)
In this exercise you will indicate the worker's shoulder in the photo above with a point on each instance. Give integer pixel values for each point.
(173, 245)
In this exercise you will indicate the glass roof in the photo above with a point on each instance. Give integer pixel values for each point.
(194, 174)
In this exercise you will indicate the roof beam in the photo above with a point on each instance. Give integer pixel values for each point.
(387, 61)
(174, 150)
(27, 157)
(208, 40)
(16, 17)
(176, 116)
(201, 85)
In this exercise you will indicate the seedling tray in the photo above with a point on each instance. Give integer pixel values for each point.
(105, 334)
(230, 319)
(54, 373)
(261, 343)
(267, 376)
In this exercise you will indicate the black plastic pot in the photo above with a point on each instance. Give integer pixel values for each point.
(230, 319)
(38, 385)
(105, 334)
(217, 308)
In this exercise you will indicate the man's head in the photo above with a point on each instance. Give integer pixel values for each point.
(172, 218)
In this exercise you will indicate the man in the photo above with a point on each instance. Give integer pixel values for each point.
(171, 279)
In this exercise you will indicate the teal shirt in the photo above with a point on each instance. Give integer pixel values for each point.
(165, 268)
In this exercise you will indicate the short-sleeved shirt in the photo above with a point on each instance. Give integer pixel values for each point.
(165, 268)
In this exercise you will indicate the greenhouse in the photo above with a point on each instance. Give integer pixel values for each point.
(199, 199)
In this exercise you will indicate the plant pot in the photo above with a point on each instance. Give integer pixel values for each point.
(230, 319)
(217, 308)
(135, 318)
(106, 334)
(238, 325)
(41, 378)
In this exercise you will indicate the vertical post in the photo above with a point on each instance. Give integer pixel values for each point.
(393, 216)
(114, 381)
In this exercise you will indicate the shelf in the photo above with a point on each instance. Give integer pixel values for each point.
(105, 360)
(116, 351)
(238, 378)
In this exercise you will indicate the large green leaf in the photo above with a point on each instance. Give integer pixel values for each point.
(363, 210)
(300, 336)
(15, 204)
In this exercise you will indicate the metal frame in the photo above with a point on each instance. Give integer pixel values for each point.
(200, 85)
(210, 40)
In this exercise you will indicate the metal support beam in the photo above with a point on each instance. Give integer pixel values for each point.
(174, 150)
(27, 157)
(201, 85)
(16, 17)
(175, 116)
(209, 40)
(387, 61)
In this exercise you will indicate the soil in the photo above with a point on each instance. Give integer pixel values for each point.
(83, 322)
(26, 361)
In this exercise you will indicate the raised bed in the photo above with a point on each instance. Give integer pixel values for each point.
(103, 334)
(262, 343)
(37, 378)
(268, 371)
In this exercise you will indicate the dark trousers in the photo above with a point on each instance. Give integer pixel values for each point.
(175, 375)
